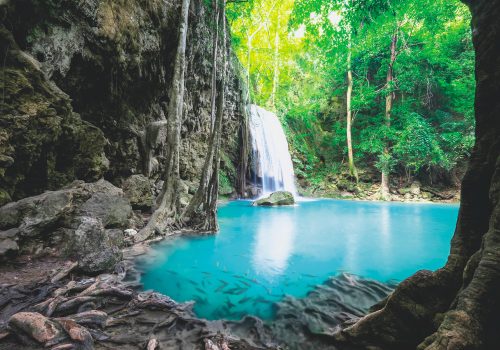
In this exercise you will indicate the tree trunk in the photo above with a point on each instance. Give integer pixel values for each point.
(211, 224)
(244, 154)
(352, 168)
(202, 191)
(249, 64)
(166, 203)
(456, 307)
(384, 185)
(201, 213)
(276, 62)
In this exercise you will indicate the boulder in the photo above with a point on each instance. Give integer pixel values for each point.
(107, 203)
(85, 219)
(92, 247)
(138, 190)
(415, 188)
(8, 241)
(276, 199)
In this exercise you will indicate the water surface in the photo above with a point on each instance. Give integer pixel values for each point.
(262, 254)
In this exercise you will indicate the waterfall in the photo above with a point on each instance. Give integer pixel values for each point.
(272, 162)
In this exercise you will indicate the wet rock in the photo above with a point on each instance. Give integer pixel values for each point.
(276, 199)
(138, 190)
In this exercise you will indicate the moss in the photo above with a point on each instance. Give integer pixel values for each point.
(225, 185)
(39, 130)
(4, 197)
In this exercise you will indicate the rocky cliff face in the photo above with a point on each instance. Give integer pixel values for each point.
(84, 80)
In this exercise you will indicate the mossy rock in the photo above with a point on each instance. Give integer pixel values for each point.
(276, 199)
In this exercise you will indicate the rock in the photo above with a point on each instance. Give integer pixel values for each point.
(8, 246)
(426, 195)
(35, 213)
(130, 232)
(138, 190)
(276, 199)
(48, 218)
(36, 326)
(116, 237)
(152, 344)
(109, 204)
(4, 197)
(184, 196)
(404, 190)
(415, 188)
(8, 241)
(92, 247)
(44, 143)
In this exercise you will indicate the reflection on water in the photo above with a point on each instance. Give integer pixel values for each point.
(274, 243)
(263, 254)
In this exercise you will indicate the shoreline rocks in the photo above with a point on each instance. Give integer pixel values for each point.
(84, 221)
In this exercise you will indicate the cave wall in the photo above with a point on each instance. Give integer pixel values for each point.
(110, 64)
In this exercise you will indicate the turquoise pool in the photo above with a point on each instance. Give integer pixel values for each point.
(263, 254)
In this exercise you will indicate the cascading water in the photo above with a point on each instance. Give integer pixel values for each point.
(272, 162)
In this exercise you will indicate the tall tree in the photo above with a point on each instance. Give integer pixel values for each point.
(352, 168)
(385, 182)
(201, 210)
(166, 203)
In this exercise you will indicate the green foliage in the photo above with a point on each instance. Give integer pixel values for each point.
(432, 119)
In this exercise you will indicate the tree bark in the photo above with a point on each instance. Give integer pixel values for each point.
(276, 62)
(384, 185)
(211, 224)
(166, 203)
(456, 307)
(201, 213)
(244, 154)
(352, 168)
(202, 191)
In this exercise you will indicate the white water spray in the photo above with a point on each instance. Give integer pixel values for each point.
(273, 163)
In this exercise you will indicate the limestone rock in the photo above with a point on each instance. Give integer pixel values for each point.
(130, 232)
(276, 199)
(138, 190)
(8, 246)
(75, 217)
(109, 204)
(92, 247)
(415, 188)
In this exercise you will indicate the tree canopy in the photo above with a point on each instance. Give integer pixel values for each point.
(298, 54)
